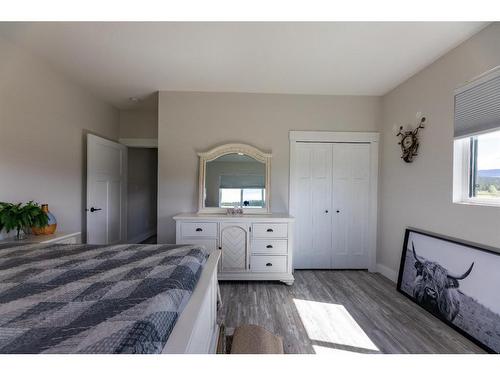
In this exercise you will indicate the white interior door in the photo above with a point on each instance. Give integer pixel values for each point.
(351, 194)
(313, 213)
(106, 191)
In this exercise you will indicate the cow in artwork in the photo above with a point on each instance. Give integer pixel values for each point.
(435, 287)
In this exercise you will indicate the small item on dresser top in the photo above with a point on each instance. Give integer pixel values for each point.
(234, 211)
(51, 226)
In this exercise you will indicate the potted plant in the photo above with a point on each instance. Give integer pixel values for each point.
(19, 217)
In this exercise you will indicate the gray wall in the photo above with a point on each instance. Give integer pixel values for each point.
(43, 119)
(194, 122)
(420, 194)
(142, 193)
(139, 123)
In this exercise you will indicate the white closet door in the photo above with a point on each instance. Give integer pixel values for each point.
(313, 183)
(351, 192)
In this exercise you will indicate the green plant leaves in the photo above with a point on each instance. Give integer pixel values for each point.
(17, 216)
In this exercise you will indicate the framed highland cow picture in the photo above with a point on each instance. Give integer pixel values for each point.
(457, 281)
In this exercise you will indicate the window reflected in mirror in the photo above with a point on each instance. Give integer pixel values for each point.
(247, 198)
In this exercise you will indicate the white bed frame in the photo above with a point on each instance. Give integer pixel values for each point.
(196, 330)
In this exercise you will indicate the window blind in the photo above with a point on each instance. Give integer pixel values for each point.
(477, 105)
(242, 182)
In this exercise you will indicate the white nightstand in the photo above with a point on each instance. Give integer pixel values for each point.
(58, 237)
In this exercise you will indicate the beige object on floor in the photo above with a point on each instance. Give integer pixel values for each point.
(252, 339)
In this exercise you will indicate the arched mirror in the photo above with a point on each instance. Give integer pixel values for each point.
(234, 175)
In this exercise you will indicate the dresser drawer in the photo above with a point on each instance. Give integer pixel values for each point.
(270, 230)
(209, 243)
(199, 229)
(270, 246)
(268, 263)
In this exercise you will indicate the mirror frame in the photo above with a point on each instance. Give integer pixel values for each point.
(233, 148)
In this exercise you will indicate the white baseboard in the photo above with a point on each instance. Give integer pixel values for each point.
(142, 237)
(387, 272)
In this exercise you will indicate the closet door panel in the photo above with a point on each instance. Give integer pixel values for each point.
(321, 205)
(313, 185)
(351, 187)
(303, 187)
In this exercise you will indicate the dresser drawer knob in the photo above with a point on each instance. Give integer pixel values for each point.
(199, 230)
(269, 246)
(269, 264)
(270, 230)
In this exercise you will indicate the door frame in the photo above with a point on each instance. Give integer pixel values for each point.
(371, 138)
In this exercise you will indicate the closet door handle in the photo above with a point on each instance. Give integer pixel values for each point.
(269, 246)
(199, 230)
(269, 264)
(338, 211)
(269, 230)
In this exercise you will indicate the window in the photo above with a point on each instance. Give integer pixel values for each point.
(236, 197)
(476, 159)
(477, 169)
(484, 177)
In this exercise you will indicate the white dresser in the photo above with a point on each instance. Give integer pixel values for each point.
(254, 247)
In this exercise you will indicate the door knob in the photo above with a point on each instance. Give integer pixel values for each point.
(92, 209)
(338, 211)
(326, 211)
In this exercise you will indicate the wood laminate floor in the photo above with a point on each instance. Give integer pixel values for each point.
(150, 240)
(328, 311)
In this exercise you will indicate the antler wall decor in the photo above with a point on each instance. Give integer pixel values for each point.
(409, 140)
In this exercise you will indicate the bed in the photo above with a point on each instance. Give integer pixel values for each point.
(57, 298)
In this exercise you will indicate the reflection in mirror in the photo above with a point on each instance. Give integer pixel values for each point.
(235, 180)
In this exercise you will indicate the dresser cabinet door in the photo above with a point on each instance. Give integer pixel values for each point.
(234, 244)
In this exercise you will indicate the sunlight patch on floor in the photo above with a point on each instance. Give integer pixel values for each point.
(332, 328)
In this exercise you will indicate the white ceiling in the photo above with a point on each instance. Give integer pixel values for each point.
(116, 61)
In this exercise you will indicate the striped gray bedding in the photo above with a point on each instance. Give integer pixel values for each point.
(93, 299)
